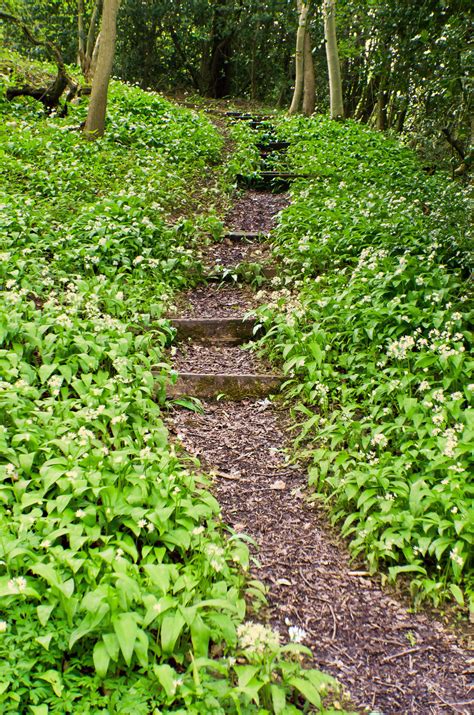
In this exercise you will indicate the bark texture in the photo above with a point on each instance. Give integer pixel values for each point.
(95, 122)
(303, 9)
(309, 92)
(332, 54)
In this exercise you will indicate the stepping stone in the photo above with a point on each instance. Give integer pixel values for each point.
(231, 331)
(267, 271)
(232, 387)
(268, 147)
(238, 115)
(279, 180)
(237, 236)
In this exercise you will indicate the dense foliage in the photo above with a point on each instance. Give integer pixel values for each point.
(405, 65)
(120, 590)
(372, 322)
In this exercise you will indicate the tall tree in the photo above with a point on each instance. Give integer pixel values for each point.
(87, 40)
(309, 90)
(332, 54)
(95, 122)
(303, 10)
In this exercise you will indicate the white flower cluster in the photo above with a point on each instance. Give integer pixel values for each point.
(456, 557)
(143, 523)
(255, 638)
(55, 383)
(17, 585)
(451, 442)
(215, 554)
(296, 634)
(368, 259)
(320, 390)
(399, 348)
(379, 440)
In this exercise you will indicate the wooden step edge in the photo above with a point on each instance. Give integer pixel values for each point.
(237, 236)
(272, 179)
(227, 274)
(233, 331)
(231, 386)
(272, 146)
(286, 175)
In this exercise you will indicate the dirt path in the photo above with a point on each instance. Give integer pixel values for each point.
(390, 660)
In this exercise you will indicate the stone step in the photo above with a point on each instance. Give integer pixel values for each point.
(227, 273)
(268, 147)
(275, 180)
(238, 236)
(232, 387)
(231, 331)
(247, 116)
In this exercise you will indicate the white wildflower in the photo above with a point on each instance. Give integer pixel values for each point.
(296, 634)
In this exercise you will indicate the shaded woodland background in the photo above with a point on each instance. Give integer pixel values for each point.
(405, 65)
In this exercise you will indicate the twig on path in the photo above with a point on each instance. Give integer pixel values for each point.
(400, 654)
(223, 475)
(334, 629)
(454, 706)
(389, 685)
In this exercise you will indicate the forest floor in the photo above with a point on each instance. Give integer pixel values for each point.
(390, 659)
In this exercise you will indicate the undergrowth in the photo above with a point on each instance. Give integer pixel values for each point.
(120, 589)
(371, 318)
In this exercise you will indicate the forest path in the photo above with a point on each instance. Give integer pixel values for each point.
(390, 660)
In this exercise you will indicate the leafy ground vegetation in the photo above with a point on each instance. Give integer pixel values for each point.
(119, 592)
(371, 320)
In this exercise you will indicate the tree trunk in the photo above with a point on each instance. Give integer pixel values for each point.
(95, 122)
(309, 93)
(332, 54)
(91, 43)
(303, 9)
(81, 35)
(381, 111)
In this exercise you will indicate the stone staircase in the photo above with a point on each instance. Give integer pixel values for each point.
(224, 373)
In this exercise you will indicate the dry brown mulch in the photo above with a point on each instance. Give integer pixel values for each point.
(392, 661)
(215, 301)
(227, 253)
(256, 211)
(215, 359)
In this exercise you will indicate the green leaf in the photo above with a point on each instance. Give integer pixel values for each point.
(307, 689)
(125, 627)
(112, 645)
(278, 699)
(457, 593)
(141, 648)
(44, 640)
(167, 678)
(101, 659)
(200, 636)
(39, 709)
(171, 628)
(44, 613)
(54, 679)
(46, 371)
(89, 624)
